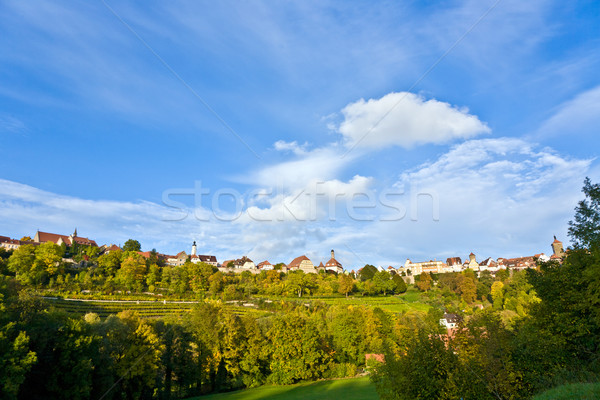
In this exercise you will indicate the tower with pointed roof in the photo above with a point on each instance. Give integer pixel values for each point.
(557, 248)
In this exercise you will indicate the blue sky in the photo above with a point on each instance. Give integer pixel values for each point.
(385, 131)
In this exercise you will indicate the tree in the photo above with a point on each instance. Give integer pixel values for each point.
(298, 352)
(497, 294)
(420, 370)
(383, 282)
(109, 263)
(424, 282)
(585, 230)
(346, 284)
(48, 257)
(132, 245)
(132, 272)
(399, 284)
(467, 286)
(21, 264)
(16, 360)
(367, 272)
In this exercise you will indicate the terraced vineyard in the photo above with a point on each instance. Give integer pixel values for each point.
(146, 309)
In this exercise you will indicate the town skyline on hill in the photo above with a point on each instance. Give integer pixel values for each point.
(316, 262)
(384, 130)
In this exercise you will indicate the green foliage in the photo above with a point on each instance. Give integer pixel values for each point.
(419, 370)
(399, 284)
(132, 245)
(367, 272)
(299, 353)
(425, 282)
(16, 359)
(585, 229)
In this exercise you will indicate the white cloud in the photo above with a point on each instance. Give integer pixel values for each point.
(320, 164)
(294, 147)
(577, 117)
(406, 119)
(497, 197)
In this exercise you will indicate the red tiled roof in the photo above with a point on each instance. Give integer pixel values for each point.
(453, 261)
(264, 263)
(204, 258)
(377, 357)
(296, 261)
(85, 241)
(333, 263)
(54, 238)
(145, 254)
(51, 237)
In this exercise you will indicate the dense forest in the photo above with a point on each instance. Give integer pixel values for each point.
(523, 331)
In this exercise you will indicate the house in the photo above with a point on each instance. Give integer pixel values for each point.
(334, 265)
(321, 267)
(517, 263)
(542, 257)
(489, 264)
(177, 260)
(13, 244)
(240, 263)
(450, 320)
(302, 263)
(265, 266)
(453, 264)
(211, 260)
(43, 237)
(431, 266)
(112, 247)
(198, 258)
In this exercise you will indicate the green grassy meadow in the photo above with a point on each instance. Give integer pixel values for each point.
(579, 391)
(342, 389)
(412, 300)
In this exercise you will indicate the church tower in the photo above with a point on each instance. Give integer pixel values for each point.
(194, 248)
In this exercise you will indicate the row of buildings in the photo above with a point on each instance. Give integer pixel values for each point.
(302, 263)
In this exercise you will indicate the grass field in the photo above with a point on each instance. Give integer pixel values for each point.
(394, 304)
(409, 301)
(579, 391)
(342, 389)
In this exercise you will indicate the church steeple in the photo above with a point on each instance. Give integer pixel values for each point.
(75, 233)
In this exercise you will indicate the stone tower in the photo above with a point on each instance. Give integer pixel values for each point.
(194, 248)
(557, 248)
(332, 254)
